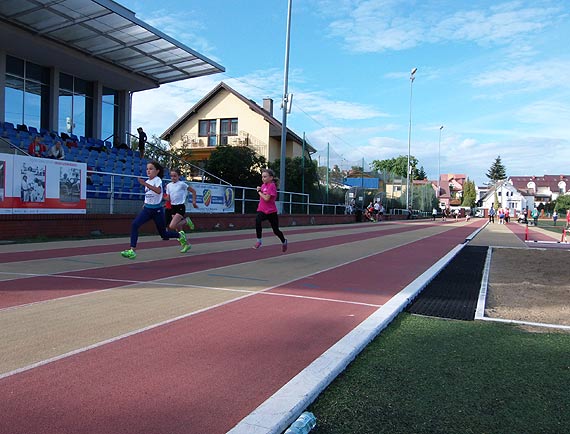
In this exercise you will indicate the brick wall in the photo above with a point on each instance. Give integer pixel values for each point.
(30, 226)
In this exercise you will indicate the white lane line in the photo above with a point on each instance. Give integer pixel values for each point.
(157, 282)
(275, 414)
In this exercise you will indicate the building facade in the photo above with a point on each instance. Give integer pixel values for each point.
(226, 117)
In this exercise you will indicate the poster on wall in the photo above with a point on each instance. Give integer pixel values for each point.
(211, 198)
(42, 186)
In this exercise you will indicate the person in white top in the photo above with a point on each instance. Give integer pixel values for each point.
(152, 210)
(176, 194)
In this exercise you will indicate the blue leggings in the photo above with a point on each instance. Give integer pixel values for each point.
(146, 214)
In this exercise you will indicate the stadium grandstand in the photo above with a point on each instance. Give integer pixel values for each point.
(68, 70)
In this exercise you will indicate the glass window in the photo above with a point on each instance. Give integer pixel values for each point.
(207, 128)
(14, 104)
(65, 111)
(27, 93)
(229, 127)
(75, 106)
(14, 66)
(109, 113)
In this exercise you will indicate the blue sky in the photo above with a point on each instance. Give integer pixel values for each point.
(493, 73)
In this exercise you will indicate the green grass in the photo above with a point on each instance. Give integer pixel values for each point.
(428, 375)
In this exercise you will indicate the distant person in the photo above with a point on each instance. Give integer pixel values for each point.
(267, 210)
(56, 151)
(433, 213)
(36, 148)
(142, 141)
(534, 216)
(568, 219)
(554, 217)
(492, 215)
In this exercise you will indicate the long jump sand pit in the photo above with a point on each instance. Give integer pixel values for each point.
(530, 285)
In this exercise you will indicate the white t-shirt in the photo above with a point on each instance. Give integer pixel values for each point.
(177, 192)
(150, 197)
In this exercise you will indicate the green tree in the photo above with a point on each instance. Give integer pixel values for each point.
(420, 174)
(294, 174)
(397, 166)
(496, 201)
(497, 171)
(238, 165)
(469, 194)
(562, 204)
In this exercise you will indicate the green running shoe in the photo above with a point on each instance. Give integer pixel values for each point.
(182, 238)
(185, 248)
(190, 223)
(129, 253)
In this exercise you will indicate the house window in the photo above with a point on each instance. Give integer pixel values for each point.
(207, 128)
(228, 127)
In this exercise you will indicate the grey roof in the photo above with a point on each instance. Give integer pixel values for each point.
(105, 30)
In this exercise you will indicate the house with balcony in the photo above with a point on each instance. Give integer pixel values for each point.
(226, 117)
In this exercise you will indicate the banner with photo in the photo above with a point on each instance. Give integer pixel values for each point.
(211, 198)
(31, 185)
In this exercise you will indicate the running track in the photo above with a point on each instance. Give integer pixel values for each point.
(171, 343)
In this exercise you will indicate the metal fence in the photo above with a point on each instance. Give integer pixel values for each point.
(113, 193)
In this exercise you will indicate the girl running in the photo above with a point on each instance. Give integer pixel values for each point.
(267, 210)
(152, 210)
(176, 192)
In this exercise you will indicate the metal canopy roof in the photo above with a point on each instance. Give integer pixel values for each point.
(110, 32)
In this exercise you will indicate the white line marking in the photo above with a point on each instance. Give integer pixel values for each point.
(529, 323)
(282, 408)
(480, 311)
(162, 323)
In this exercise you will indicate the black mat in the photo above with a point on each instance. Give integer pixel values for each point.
(454, 292)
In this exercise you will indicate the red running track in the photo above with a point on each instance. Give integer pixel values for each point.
(205, 372)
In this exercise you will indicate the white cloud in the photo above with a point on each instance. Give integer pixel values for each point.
(376, 26)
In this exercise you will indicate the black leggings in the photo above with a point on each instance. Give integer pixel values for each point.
(273, 220)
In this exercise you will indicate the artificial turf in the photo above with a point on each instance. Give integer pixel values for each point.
(429, 375)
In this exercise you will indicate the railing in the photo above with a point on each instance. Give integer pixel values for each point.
(11, 146)
(113, 199)
(243, 138)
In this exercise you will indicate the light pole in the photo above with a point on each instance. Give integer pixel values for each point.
(412, 76)
(438, 162)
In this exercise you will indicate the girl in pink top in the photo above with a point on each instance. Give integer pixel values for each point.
(266, 210)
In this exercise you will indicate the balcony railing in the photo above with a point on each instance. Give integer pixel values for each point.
(243, 138)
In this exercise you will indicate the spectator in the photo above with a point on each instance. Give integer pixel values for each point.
(433, 213)
(554, 217)
(142, 141)
(36, 148)
(492, 215)
(534, 215)
(56, 151)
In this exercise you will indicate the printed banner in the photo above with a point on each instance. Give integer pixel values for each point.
(211, 198)
(30, 185)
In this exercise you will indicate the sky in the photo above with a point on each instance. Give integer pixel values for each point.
(494, 74)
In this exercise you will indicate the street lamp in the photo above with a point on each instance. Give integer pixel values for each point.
(438, 162)
(412, 76)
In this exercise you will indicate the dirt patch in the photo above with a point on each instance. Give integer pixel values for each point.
(530, 285)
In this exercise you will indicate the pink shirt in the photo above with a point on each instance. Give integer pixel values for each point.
(268, 207)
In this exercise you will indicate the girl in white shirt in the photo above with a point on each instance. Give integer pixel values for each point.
(176, 193)
(152, 210)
